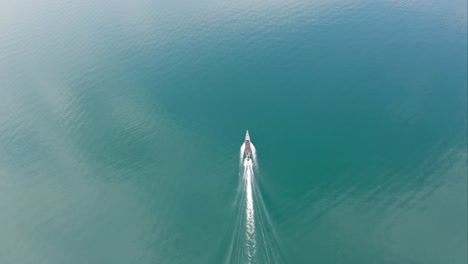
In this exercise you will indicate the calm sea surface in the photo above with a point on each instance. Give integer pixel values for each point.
(121, 124)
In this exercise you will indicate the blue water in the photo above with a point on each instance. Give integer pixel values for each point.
(121, 124)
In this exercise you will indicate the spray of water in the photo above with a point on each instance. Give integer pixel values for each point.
(242, 149)
(254, 155)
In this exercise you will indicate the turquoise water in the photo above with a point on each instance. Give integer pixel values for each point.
(121, 124)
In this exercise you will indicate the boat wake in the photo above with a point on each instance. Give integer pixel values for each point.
(249, 209)
(254, 239)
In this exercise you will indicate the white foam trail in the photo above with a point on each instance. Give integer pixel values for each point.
(249, 210)
(255, 239)
(250, 206)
